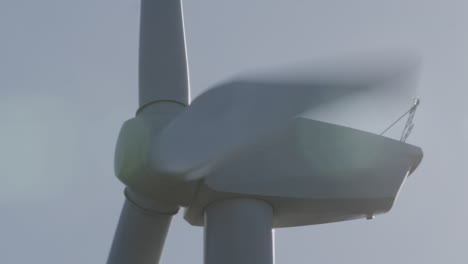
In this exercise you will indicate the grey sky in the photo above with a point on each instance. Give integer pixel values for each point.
(68, 78)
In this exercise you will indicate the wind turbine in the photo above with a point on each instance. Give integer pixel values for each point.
(239, 158)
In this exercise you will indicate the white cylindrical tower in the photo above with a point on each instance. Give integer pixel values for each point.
(239, 231)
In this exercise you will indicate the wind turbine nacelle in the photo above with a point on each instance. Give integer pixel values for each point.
(313, 172)
(242, 138)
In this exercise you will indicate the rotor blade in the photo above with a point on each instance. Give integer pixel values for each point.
(232, 115)
(140, 235)
(163, 72)
(375, 109)
(364, 71)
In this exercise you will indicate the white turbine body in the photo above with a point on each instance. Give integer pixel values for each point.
(241, 160)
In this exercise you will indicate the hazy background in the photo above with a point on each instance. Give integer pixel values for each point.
(68, 79)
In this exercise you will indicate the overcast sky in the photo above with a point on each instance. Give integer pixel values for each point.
(68, 79)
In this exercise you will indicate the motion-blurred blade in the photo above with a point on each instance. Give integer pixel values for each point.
(231, 115)
(393, 94)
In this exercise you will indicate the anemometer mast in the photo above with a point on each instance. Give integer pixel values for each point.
(239, 159)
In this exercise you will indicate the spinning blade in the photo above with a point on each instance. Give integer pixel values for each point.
(234, 114)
